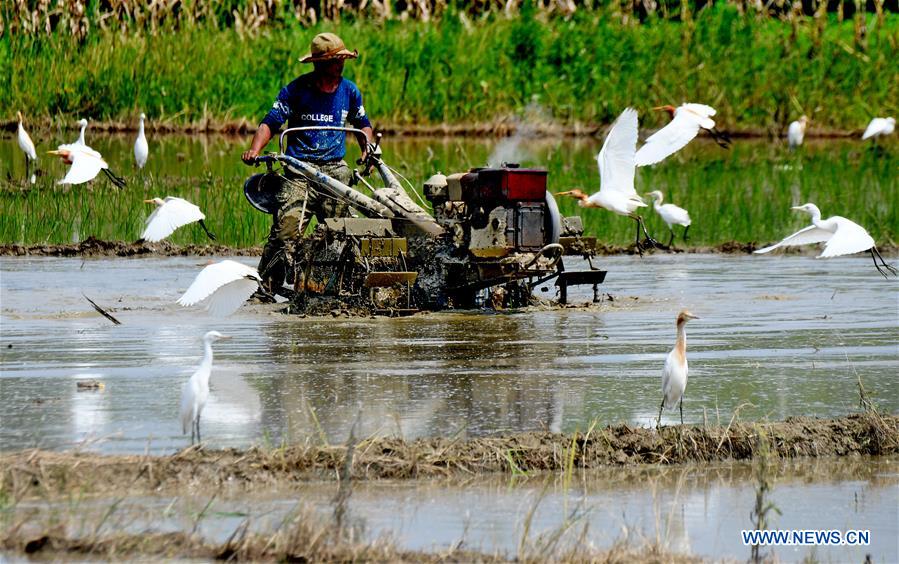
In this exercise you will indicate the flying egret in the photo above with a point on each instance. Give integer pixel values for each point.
(86, 163)
(880, 126)
(796, 132)
(27, 146)
(171, 214)
(222, 287)
(141, 149)
(616, 175)
(841, 237)
(672, 215)
(195, 391)
(687, 120)
(674, 374)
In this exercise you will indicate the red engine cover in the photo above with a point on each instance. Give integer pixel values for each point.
(505, 184)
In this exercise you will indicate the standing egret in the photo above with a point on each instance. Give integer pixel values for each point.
(672, 215)
(796, 132)
(222, 287)
(169, 215)
(27, 146)
(674, 374)
(687, 120)
(195, 391)
(880, 126)
(841, 237)
(141, 149)
(616, 175)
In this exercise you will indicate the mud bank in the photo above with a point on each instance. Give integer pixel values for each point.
(36, 473)
(93, 247)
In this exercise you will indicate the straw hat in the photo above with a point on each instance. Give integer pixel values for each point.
(327, 47)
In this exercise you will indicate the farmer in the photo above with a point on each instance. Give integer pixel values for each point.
(319, 98)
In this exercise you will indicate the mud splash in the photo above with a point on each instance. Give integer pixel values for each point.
(42, 473)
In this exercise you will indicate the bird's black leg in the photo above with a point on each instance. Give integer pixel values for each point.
(209, 233)
(637, 237)
(687, 228)
(659, 419)
(890, 268)
(27, 168)
(117, 181)
(671, 240)
(682, 411)
(649, 238)
(193, 431)
(721, 138)
(199, 440)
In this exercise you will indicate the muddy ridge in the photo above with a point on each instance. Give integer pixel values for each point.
(43, 473)
(93, 247)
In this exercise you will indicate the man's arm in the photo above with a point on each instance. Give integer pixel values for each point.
(363, 143)
(260, 140)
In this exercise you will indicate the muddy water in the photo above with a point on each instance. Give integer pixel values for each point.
(779, 336)
(689, 509)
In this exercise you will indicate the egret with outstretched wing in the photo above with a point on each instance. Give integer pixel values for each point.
(840, 235)
(686, 122)
(616, 175)
(169, 215)
(86, 163)
(222, 287)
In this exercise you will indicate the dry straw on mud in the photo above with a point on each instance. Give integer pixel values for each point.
(40, 473)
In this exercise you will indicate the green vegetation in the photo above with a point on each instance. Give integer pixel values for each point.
(760, 72)
(743, 194)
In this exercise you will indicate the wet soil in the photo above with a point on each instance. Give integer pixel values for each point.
(37, 473)
(93, 247)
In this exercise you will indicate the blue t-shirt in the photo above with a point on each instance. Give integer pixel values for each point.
(301, 104)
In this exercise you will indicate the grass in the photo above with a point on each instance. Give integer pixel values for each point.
(759, 72)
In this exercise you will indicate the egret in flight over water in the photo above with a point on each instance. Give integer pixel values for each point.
(616, 175)
(141, 149)
(839, 235)
(195, 391)
(27, 146)
(672, 215)
(880, 126)
(222, 287)
(86, 163)
(686, 122)
(169, 215)
(674, 374)
(796, 132)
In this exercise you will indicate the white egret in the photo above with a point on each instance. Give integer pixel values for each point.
(616, 175)
(839, 235)
(687, 120)
(195, 391)
(796, 132)
(27, 146)
(86, 163)
(141, 149)
(674, 374)
(171, 214)
(672, 215)
(222, 287)
(880, 126)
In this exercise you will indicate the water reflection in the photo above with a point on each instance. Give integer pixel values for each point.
(788, 340)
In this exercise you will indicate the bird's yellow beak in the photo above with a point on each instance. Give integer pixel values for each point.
(149, 202)
(658, 108)
(691, 316)
(54, 152)
(797, 208)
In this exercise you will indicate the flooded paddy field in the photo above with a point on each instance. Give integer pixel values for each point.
(779, 337)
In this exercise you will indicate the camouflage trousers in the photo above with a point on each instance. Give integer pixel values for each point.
(298, 200)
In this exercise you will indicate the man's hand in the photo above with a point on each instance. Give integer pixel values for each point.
(249, 156)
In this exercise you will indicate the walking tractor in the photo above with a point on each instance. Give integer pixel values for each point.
(491, 237)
